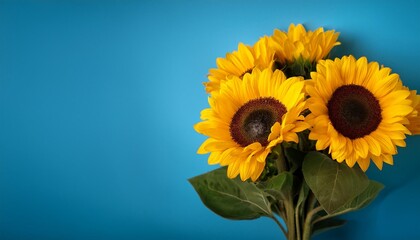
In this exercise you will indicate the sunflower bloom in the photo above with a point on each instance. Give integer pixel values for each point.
(358, 111)
(298, 43)
(414, 117)
(248, 117)
(240, 62)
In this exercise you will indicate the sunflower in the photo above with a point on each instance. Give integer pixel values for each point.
(304, 45)
(414, 118)
(358, 111)
(240, 62)
(248, 117)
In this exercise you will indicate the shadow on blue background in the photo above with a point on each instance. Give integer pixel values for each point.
(98, 100)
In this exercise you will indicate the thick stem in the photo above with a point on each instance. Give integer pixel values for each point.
(307, 228)
(298, 219)
(281, 160)
(291, 224)
(288, 204)
(311, 201)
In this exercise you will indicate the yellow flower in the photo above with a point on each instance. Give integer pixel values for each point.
(414, 117)
(248, 117)
(358, 111)
(298, 43)
(240, 62)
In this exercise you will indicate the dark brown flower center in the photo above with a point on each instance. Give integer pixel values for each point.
(354, 111)
(253, 121)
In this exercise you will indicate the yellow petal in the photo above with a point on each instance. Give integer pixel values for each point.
(378, 162)
(361, 147)
(364, 163)
(233, 169)
(258, 170)
(214, 158)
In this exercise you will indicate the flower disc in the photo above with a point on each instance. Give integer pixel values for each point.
(354, 111)
(253, 120)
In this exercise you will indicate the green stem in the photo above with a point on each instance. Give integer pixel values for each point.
(322, 218)
(288, 204)
(298, 219)
(281, 160)
(311, 201)
(309, 204)
(280, 225)
(307, 229)
(277, 209)
(330, 216)
(291, 224)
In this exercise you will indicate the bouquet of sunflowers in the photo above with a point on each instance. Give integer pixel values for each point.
(295, 131)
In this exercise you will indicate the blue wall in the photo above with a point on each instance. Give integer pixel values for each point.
(98, 100)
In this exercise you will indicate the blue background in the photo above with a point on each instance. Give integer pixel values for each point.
(98, 100)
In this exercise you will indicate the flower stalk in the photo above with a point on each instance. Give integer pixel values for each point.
(281, 162)
(296, 228)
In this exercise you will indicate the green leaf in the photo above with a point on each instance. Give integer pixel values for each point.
(362, 200)
(231, 198)
(334, 184)
(279, 186)
(327, 224)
